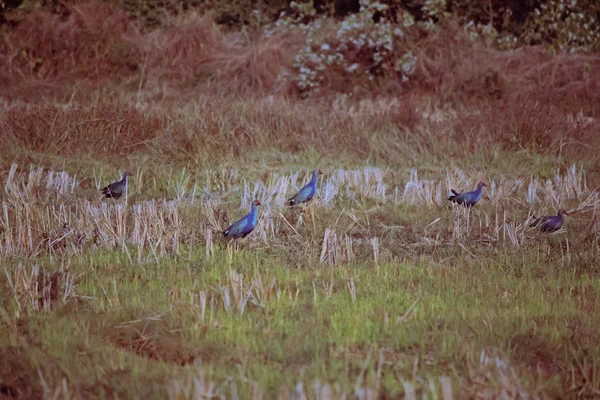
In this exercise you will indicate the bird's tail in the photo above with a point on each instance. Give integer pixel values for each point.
(454, 194)
(535, 221)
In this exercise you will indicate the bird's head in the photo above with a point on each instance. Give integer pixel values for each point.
(127, 173)
(563, 212)
(256, 203)
(481, 184)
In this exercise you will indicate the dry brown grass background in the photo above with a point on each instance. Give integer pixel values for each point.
(521, 99)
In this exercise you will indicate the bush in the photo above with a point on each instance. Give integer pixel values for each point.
(566, 25)
(348, 55)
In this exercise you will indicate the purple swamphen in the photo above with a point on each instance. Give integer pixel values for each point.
(549, 223)
(468, 199)
(241, 228)
(116, 189)
(307, 192)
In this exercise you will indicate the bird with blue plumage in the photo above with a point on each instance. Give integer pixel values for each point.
(244, 226)
(467, 199)
(549, 223)
(116, 189)
(307, 192)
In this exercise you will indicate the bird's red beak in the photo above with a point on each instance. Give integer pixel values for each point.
(320, 172)
(257, 202)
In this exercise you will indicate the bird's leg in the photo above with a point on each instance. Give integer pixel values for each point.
(228, 249)
(468, 222)
(312, 214)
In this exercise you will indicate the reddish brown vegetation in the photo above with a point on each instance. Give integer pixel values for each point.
(529, 123)
(550, 360)
(18, 378)
(456, 68)
(527, 98)
(522, 99)
(535, 354)
(94, 42)
(151, 339)
(97, 43)
(193, 50)
(105, 128)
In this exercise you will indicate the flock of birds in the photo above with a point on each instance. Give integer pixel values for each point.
(244, 226)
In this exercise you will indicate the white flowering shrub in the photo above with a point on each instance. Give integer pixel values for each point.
(302, 18)
(351, 52)
(489, 35)
(567, 25)
(435, 10)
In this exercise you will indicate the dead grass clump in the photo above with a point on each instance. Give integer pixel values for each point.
(493, 377)
(18, 378)
(572, 361)
(405, 116)
(104, 128)
(210, 132)
(462, 71)
(194, 387)
(151, 339)
(517, 123)
(180, 51)
(456, 68)
(257, 67)
(383, 112)
(537, 355)
(92, 43)
(97, 42)
(192, 50)
(569, 82)
(40, 186)
(37, 289)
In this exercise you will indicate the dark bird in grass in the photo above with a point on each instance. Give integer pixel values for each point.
(549, 223)
(116, 189)
(243, 227)
(468, 199)
(307, 192)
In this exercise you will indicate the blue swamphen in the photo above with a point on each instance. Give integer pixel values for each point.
(549, 223)
(116, 189)
(241, 228)
(468, 199)
(307, 192)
